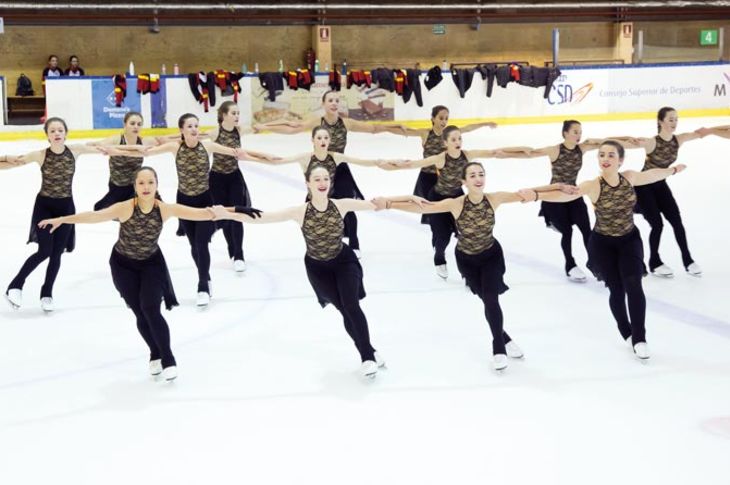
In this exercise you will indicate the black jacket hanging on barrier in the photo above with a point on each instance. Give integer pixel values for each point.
(413, 86)
(462, 78)
(383, 78)
(488, 72)
(433, 77)
(273, 82)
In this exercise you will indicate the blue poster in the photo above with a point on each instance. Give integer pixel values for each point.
(158, 105)
(106, 112)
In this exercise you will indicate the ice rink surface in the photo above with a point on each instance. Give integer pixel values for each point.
(268, 388)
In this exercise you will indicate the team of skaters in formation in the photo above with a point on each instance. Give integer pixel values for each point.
(216, 195)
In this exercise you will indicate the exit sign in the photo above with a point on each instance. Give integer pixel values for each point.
(708, 37)
(439, 29)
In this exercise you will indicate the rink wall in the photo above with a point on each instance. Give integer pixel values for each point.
(590, 93)
(3, 100)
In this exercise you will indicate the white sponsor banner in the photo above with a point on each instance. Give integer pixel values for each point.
(582, 91)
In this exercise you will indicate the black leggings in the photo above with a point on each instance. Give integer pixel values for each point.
(115, 194)
(50, 246)
(199, 234)
(562, 217)
(351, 230)
(442, 228)
(495, 319)
(619, 260)
(339, 281)
(353, 317)
(142, 286)
(655, 200)
(229, 189)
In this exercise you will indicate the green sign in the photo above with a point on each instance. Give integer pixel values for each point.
(708, 37)
(439, 29)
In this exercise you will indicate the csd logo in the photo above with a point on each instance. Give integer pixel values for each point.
(562, 93)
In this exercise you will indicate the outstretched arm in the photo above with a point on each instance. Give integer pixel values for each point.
(241, 214)
(184, 212)
(364, 127)
(340, 158)
(654, 175)
(591, 188)
(287, 127)
(476, 126)
(354, 205)
(169, 147)
(12, 161)
(476, 154)
(498, 198)
(120, 210)
(721, 131)
(110, 140)
(437, 160)
(418, 205)
(685, 137)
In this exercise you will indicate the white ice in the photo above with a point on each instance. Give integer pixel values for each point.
(269, 391)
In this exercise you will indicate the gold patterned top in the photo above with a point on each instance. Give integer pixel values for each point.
(123, 168)
(328, 163)
(615, 208)
(323, 232)
(226, 163)
(565, 168)
(139, 234)
(192, 169)
(475, 225)
(663, 155)
(433, 145)
(338, 135)
(449, 180)
(57, 174)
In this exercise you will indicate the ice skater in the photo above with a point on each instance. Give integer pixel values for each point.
(332, 267)
(479, 256)
(338, 128)
(615, 245)
(139, 270)
(55, 198)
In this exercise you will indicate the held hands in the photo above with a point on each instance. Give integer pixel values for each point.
(249, 211)
(54, 223)
(419, 201)
(390, 164)
(679, 168)
(527, 195)
(567, 189)
(380, 203)
(703, 132)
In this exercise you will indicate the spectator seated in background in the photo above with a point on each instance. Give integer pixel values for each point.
(52, 70)
(74, 69)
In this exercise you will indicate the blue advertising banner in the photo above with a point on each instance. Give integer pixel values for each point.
(106, 112)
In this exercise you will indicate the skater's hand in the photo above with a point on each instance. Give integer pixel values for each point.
(420, 201)
(54, 223)
(568, 189)
(703, 132)
(679, 168)
(527, 195)
(249, 211)
(390, 164)
(490, 124)
(380, 203)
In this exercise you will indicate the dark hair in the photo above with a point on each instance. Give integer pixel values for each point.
(54, 119)
(568, 124)
(318, 128)
(52, 56)
(447, 131)
(619, 147)
(661, 114)
(436, 110)
(324, 96)
(223, 110)
(466, 167)
(312, 168)
(157, 180)
(132, 113)
(181, 121)
(71, 58)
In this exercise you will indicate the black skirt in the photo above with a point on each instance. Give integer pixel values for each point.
(615, 257)
(483, 271)
(154, 268)
(323, 275)
(562, 215)
(199, 201)
(647, 195)
(48, 208)
(345, 186)
(446, 217)
(424, 184)
(115, 194)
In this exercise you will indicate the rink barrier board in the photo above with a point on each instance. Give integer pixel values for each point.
(37, 133)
